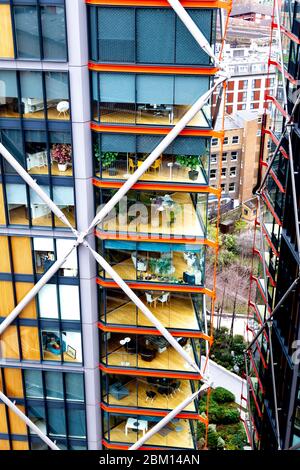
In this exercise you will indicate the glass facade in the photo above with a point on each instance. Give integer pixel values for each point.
(42, 361)
(33, 30)
(156, 237)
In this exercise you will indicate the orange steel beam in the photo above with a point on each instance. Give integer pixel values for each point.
(226, 4)
(152, 69)
(154, 130)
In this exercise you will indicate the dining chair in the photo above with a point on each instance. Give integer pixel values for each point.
(164, 298)
(131, 164)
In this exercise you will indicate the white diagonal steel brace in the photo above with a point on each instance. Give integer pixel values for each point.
(191, 113)
(193, 29)
(137, 301)
(170, 416)
(28, 422)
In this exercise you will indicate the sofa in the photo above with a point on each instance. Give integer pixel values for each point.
(118, 391)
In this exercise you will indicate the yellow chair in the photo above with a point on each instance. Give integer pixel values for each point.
(131, 164)
(157, 164)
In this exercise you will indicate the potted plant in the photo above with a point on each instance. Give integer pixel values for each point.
(161, 266)
(107, 160)
(189, 161)
(62, 155)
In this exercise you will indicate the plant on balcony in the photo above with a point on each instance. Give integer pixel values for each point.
(161, 266)
(189, 161)
(107, 159)
(62, 155)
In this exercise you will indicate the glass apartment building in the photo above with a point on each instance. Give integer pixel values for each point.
(275, 406)
(88, 89)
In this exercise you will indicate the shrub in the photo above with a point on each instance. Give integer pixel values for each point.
(221, 395)
(226, 415)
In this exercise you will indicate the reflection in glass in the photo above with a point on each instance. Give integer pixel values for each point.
(27, 32)
(8, 94)
(17, 204)
(32, 95)
(57, 93)
(54, 32)
(36, 152)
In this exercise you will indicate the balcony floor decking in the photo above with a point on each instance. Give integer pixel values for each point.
(186, 223)
(169, 360)
(164, 174)
(179, 314)
(180, 438)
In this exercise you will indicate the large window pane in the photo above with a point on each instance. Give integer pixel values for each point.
(12, 140)
(117, 96)
(8, 94)
(63, 197)
(152, 26)
(43, 254)
(36, 152)
(61, 154)
(57, 92)
(54, 32)
(33, 383)
(69, 302)
(27, 32)
(188, 50)
(32, 95)
(6, 43)
(17, 204)
(56, 420)
(47, 298)
(116, 34)
(74, 386)
(76, 422)
(54, 385)
(41, 214)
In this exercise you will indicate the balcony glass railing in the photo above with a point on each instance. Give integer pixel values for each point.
(127, 429)
(157, 393)
(147, 352)
(155, 262)
(175, 310)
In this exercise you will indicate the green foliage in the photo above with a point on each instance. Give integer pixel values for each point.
(230, 243)
(225, 258)
(240, 225)
(222, 347)
(161, 266)
(222, 395)
(188, 161)
(234, 436)
(107, 158)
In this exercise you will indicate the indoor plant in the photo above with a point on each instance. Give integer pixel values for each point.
(107, 160)
(189, 161)
(62, 155)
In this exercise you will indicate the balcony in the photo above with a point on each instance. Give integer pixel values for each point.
(146, 352)
(166, 264)
(151, 393)
(149, 114)
(173, 310)
(154, 214)
(179, 433)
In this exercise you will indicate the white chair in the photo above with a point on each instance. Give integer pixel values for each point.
(149, 298)
(164, 298)
(63, 108)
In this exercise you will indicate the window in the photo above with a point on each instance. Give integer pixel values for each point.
(57, 94)
(6, 43)
(213, 158)
(224, 156)
(234, 156)
(235, 139)
(223, 187)
(233, 171)
(225, 142)
(122, 35)
(9, 106)
(214, 142)
(231, 187)
(224, 172)
(27, 32)
(213, 174)
(53, 32)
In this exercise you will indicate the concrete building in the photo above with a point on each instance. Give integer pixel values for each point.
(240, 155)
